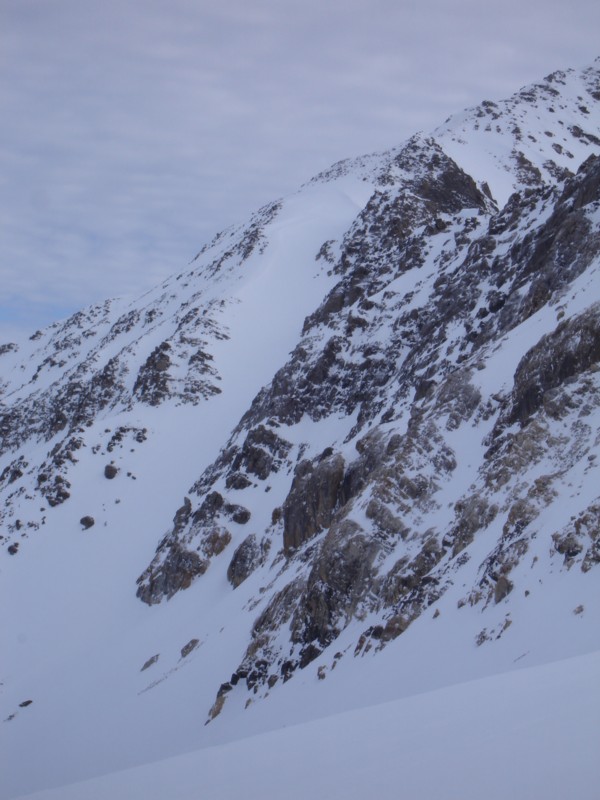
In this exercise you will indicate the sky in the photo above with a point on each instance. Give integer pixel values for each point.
(133, 130)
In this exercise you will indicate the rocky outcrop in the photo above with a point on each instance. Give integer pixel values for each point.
(248, 556)
(152, 383)
(439, 403)
(176, 571)
(261, 454)
(342, 517)
(579, 541)
(338, 582)
(197, 536)
(315, 494)
(571, 349)
(174, 567)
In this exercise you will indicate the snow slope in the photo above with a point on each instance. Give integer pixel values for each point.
(499, 736)
(353, 455)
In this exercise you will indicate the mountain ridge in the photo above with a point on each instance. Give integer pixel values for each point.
(364, 422)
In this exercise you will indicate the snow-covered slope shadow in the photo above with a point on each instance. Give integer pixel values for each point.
(501, 736)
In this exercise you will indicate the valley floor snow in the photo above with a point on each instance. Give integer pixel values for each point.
(530, 733)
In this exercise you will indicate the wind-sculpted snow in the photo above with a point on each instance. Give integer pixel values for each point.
(364, 424)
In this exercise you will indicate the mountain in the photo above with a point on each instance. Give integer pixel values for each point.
(346, 460)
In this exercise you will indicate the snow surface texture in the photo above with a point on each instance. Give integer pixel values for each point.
(502, 736)
(350, 457)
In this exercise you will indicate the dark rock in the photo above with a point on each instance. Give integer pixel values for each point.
(152, 383)
(237, 480)
(191, 645)
(308, 654)
(496, 301)
(13, 471)
(277, 613)
(8, 348)
(408, 575)
(182, 515)
(384, 519)
(139, 435)
(337, 583)
(176, 572)
(216, 708)
(211, 505)
(569, 546)
(57, 493)
(13, 549)
(247, 557)
(458, 397)
(502, 588)
(215, 541)
(87, 522)
(394, 626)
(238, 514)
(241, 515)
(570, 350)
(110, 471)
(313, 497)
(262, 453)
(15, 474)
(152, 660)
(473, 513)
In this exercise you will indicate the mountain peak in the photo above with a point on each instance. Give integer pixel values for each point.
(353, 447)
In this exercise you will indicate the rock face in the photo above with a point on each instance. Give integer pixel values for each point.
(361, 528)
(152, 382)
(313, 497)
(570, 350)
(177, 572)
(429, 427)
(249, 555)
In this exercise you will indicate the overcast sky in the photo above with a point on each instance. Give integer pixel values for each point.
(132, 130)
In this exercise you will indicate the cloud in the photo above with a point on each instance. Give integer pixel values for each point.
(133, 130)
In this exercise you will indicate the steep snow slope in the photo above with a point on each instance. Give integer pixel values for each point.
(78, 589)
(349, 456)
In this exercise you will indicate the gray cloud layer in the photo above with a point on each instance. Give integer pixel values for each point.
(133, 130)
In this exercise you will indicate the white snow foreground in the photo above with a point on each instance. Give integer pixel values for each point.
(525, 734)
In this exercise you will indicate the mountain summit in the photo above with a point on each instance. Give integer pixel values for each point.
(349, 456)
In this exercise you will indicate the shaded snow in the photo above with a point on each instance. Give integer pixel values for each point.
(501, 736)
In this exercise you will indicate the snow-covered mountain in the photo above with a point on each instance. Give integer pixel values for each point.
(348, 457)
